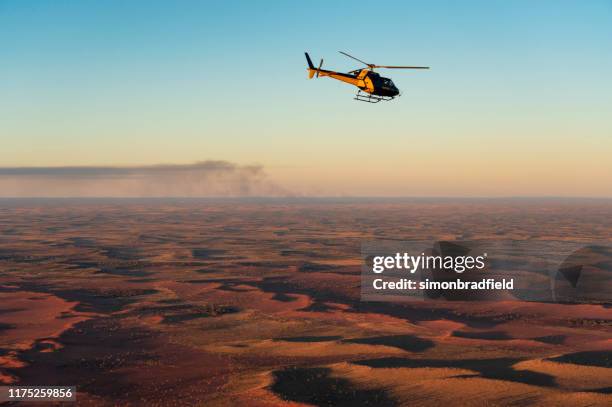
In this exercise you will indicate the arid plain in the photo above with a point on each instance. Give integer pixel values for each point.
(257, 302)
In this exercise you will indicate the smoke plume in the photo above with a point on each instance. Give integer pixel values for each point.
(201, 179)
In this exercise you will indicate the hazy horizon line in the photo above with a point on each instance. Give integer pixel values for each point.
(307, 197)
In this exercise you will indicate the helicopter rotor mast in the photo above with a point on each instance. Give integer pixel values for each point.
(372, 66)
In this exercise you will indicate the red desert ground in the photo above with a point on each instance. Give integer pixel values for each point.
(249, 302)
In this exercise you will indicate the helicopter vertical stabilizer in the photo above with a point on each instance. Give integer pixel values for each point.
(311, 68)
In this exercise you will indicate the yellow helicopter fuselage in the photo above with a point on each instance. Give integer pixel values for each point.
(365, 79)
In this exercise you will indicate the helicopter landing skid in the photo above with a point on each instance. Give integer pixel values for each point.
(366, 97)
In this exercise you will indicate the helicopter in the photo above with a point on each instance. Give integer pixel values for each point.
(372, 87)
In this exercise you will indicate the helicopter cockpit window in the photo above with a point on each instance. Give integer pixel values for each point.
(388, 83)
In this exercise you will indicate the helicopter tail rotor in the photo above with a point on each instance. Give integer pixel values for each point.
(312, 71)
(319, 68)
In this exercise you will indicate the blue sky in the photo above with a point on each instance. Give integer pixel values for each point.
(517, 84)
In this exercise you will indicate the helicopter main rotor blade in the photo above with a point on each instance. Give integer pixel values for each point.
(356, 59)
(400, 67)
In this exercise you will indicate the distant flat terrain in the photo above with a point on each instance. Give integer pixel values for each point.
(257, 302)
